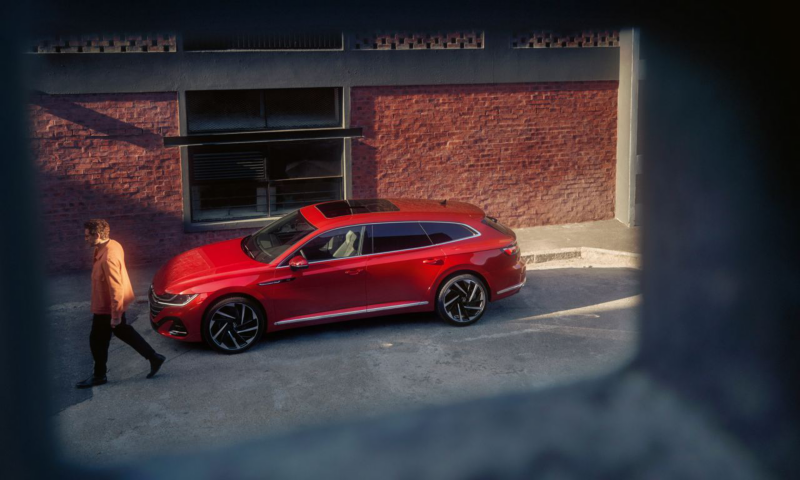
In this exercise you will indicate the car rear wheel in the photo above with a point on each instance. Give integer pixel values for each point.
(462, 300)
(232, 325)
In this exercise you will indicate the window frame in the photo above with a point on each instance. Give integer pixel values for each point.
(191, 226)
(289, 247)
(285, 262)
(264, 112)
(268, 183)
(348, 227)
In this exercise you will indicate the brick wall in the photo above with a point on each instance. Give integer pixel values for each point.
(528, 154)
(102, 156)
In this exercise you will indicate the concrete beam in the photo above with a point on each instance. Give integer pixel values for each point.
(174, 72)
(627, 126)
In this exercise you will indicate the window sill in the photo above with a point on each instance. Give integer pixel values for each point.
(253, 223)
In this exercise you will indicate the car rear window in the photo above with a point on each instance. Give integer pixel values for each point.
(498, 226)
(445, 232)
(389, 237)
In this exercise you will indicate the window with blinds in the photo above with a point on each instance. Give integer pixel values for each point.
(257, 180)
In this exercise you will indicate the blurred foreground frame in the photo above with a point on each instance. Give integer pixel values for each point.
(711, 393)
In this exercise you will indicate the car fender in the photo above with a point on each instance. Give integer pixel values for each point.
(245, 285)
(465, 262)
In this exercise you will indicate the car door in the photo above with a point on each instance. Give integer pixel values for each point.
(332, 285)
(402, 266)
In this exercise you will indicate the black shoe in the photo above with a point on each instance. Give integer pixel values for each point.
(92, 381)
(155, 364)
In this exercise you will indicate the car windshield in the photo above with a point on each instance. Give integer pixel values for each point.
(269, 242)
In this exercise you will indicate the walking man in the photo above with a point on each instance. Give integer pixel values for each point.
(111, 295)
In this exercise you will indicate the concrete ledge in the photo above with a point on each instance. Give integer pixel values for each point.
(584, 257)
(550, 255)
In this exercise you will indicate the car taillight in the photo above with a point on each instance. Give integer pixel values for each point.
(511, 249)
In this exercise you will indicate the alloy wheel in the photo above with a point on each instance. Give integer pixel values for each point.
(464, 299)
(233, 326)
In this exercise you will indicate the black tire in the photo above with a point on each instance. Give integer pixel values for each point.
(462, 300)
(233, 325)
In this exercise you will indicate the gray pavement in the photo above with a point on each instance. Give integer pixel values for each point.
(604, 234)
(565, 325)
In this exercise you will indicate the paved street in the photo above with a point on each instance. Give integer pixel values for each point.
(566, 324)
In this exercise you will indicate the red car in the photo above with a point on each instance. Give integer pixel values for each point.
(337, 261)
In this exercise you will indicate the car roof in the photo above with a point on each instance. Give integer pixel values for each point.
(350, 212)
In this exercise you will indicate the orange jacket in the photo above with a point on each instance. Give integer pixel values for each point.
(111, 287)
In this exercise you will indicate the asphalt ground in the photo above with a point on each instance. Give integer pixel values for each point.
(566, 324)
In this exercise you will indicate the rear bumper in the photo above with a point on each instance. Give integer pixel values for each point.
(513, 287)
(519, 279)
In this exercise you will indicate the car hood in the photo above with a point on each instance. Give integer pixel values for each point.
(203, 264)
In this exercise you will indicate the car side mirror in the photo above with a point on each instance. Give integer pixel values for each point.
(298, 263)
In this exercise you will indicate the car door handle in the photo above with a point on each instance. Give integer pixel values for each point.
(433, 261)
(354, 271)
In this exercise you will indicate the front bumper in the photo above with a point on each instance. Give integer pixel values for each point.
(181, 323)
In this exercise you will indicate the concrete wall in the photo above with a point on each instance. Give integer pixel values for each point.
(176, 72)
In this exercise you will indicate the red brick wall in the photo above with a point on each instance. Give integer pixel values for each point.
(528, 154)
(102, 156)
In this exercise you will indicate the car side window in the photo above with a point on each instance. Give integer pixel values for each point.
(445, 232)
(389, 237)
(340, 243)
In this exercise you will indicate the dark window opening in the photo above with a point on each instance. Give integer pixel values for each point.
(210, 41)
(235, 199)
(302, 108)
(389, 237)
(234, 182)
(278, 109)
(445, 232)
(285, 198)
(225, 111)
(295, 160)
(340, 243)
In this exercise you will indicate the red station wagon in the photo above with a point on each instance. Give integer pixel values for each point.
(337, 261)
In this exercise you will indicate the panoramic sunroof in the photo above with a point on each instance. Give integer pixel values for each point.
(354, 207)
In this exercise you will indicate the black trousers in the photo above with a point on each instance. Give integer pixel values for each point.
(101, 337)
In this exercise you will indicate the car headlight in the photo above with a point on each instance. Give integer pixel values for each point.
(176, 300)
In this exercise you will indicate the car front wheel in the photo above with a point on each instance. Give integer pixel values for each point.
(462, 300)
(232, 325)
